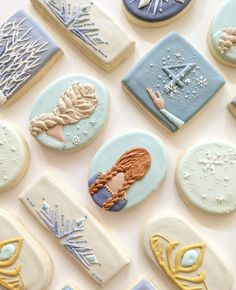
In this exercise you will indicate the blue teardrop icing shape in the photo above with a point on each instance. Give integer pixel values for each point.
(189, 258)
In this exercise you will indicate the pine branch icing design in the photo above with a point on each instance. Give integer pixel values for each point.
(20, 54)
(70, 232)
(77, 19)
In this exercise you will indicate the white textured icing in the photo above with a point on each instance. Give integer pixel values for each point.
(217, 275)
(13, 155)
(206, 177)
(105, 259)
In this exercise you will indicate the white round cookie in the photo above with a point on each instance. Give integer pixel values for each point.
(13, 156)
(206, 177)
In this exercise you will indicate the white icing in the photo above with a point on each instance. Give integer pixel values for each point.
(3, 98)
(206, 176)
(176, 121)
(12, 155)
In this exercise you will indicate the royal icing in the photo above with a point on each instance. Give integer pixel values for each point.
(206, 177)
(24, 50)
(143, 285)
(223, 33)
(126, 170)
(75, 229)
(69, 113)
(86, 24)
(155, 10)
(173, 246)
(21, 257)
(13, 156)
(69, 287)
(173, 81)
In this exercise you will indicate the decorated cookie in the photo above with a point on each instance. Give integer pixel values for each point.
(144, 285)
(126, 170)
(76, 229)
(90, 29)
(232, 106)
(206, 177)
(69, 113)
(13, 156)
(182, 255)
(172, 82)
(222, 36)
(69, 287)
(154, 13)
(26, 53)
(21, 257)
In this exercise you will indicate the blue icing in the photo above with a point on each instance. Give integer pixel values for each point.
(225, 18)
(190, 258)
(67, 288)
(183, 97)
(85, 129)
(111, 151)
(143, 285)
(45, 46)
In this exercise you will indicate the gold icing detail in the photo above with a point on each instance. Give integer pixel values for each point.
(163, 248)
(11, 279)
(227, 40)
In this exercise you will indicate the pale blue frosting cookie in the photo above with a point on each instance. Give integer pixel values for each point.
(134, 164)
(69, 113)
(223, 33)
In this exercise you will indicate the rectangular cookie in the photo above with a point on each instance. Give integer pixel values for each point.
(76, 229)
(24, 264)
(232, 107)
(26, 54)
(90, 29)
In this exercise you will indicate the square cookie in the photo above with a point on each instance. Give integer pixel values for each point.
(172, 82)
(26, 53)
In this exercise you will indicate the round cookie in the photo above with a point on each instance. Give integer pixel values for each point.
(69, 113)
(13, 156)
(154, 13)
(206, 177)
(126, 170)
(222, 35)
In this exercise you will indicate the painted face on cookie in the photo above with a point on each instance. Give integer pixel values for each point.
(155, 10)
(69, 113)
(223, 34)
(122, 172)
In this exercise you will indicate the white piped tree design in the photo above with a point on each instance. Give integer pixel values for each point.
(20, 54)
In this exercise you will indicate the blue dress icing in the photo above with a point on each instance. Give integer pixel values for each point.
(143, 285)
(103, 194)
(152, 13)
(185, 80)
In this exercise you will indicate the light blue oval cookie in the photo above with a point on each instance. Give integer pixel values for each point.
(223, 34)
(126, 170)
(69, 113)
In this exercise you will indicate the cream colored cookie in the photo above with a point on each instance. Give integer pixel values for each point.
(14, 156)
(24, 264)
(183, 256)
(90, 29)
(76, 229)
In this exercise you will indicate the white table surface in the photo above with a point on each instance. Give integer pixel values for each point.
(213, 123)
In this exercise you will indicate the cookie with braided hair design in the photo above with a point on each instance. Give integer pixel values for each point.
(69, 113)
(126, 170)
(222, 37)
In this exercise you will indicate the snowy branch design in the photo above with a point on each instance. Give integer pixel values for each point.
(20, 53)
(70, 233)
(77, 20)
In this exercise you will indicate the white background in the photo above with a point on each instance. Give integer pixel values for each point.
(213, 123)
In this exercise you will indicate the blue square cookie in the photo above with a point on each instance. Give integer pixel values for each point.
(173, 81)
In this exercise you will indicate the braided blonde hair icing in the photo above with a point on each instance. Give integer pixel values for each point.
(77, 102)
(227, 40)
(134, 164)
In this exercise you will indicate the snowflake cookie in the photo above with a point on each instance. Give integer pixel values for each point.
(26, 52)
(206, 177)
(172, 82)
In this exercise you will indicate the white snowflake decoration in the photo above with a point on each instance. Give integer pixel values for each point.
(210, 162)
(171, 89)
(76, 140)
(202, 82)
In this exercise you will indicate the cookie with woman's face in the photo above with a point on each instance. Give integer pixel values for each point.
(126, 170)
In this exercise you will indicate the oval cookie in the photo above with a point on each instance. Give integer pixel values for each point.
(22, 258)
(126, 170)
(13, 156)
(154, 13)
(182, 255)
(69, 113)
(206, 177)
(222, 37)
